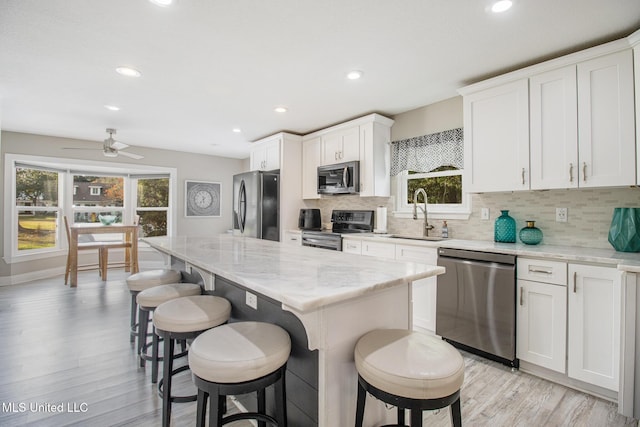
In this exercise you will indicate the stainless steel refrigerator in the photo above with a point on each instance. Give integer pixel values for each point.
(255, 205)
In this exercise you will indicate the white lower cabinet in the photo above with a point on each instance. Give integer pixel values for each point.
(542, 313)
(594, 325)
(352, 246)
(542, 324)
(424, 290)
(293, 238)
(568, 319)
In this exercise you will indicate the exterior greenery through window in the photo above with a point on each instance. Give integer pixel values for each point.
(443, 185)
(37, 208)
(39, 205)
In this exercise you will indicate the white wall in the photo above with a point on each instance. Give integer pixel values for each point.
(189, 167)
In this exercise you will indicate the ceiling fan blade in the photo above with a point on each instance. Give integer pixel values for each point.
(131, 155)
(119, 145)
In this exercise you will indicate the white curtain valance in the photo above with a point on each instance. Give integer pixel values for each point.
(428, 152)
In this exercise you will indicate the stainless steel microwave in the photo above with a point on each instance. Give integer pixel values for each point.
(341, 178)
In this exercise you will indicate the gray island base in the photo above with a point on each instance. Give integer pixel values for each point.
(326, 300)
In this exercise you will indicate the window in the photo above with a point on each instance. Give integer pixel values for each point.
(37, 209)
(87, 206)
(434, 163)
(152, 206)
(42, 190)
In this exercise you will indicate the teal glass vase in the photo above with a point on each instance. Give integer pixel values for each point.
(504, 229)
(530, 235)
(624, 233)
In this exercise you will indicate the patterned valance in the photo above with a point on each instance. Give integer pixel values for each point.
(428, 152)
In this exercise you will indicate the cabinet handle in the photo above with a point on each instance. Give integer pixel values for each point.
(570, 172)
(575, 280)
(521, 292)
(335, 155)
(522, 176)
(533, 269)
(584, 171)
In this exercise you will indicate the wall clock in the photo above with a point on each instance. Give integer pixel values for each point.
(202, 199)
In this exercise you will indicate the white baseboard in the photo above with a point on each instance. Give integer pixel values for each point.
(59, 271)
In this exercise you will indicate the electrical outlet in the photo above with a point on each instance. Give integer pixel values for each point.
(562, 214)
(484, 213)
(252, 300)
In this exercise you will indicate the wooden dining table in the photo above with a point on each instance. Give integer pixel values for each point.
(130, 238)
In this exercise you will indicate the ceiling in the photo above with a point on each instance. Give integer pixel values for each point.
(209, 66)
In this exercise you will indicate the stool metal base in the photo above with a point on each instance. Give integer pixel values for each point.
(164, 385)
(416, 406)
(217, 392)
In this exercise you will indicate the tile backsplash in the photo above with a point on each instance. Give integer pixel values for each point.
(589, 214)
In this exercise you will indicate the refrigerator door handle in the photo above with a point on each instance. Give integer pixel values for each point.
(242, 206)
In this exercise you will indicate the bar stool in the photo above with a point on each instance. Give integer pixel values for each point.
(409, 370)
(184, 319)
(147, 301)
(240, 358)
(145, 279)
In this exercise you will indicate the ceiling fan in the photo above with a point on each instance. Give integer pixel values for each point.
(111, 147)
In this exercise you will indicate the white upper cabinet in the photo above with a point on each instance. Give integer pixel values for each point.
(342, 145)
(265, 155)
(554, 129)
(365, 139)
(496, 140)
(564, 123)
(311, 159)
(606, 130)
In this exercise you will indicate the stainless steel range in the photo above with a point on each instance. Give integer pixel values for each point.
(343, 222)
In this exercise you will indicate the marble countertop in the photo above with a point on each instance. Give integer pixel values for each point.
(626, 261)
(299, 277)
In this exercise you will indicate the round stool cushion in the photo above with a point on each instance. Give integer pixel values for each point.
(153, 297)
(191, 314)
(146, 279)
(239, 352)
(409, 364)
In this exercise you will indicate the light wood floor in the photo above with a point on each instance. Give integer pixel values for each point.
(70, 347)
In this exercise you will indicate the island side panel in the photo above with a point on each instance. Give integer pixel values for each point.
(334, 330)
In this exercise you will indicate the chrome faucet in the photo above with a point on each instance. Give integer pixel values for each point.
(427, 227)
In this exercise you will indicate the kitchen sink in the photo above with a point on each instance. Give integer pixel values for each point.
(427, 238)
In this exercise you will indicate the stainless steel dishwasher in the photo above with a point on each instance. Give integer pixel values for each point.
(476, 303)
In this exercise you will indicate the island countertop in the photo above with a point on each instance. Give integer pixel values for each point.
(302, 278)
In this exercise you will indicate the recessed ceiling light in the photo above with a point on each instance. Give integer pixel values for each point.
(501, 6)
(129, 72)
(112, 107)
(280, 110)
(237, 130)
(163, 3)
(354, 75)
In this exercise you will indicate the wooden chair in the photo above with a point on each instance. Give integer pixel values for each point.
(103, 254)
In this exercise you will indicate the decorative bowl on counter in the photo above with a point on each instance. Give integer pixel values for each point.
(107, 219)
(530, 235)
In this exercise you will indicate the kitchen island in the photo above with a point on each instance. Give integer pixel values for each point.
(325, 299)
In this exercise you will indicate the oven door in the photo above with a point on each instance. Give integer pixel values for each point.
(329, 241)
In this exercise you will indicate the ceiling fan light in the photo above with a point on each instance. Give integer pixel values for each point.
(108, 153)
(501, 6)
(162, 3)
(128, 71)
(354, 75)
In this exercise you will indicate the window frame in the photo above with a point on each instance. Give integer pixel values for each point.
(445, 211)
(66, 168)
